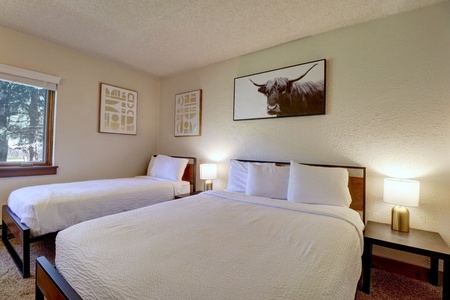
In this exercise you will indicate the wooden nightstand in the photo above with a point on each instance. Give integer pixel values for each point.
(415, 241)
(187, 194)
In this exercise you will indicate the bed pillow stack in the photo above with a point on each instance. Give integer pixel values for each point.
(237, 179)
(295, 183)
(167, 167)
(318, 185)
(269, 181)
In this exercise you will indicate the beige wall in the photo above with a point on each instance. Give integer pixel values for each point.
(387, 109)
(81, 152)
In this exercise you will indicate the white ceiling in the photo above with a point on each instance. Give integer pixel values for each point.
(165, 37)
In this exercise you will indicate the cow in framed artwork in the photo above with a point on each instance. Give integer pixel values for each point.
(287, 97)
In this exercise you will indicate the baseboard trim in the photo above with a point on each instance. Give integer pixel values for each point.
(403, 268)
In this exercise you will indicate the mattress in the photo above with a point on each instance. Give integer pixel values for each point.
(215, 245)
(53, 207)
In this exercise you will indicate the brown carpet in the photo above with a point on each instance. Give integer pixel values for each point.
(12, 285)
(383, 286)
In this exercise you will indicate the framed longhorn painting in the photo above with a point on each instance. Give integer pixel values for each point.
(286, 92)
(188, 111)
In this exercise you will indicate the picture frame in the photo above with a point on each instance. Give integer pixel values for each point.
(188, 111)
(298, 90)
(118, 110)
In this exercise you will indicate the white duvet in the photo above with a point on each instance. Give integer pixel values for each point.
(215, 245)
(53, 207)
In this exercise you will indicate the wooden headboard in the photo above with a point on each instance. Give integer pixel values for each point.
(356, 183)
(190, 173)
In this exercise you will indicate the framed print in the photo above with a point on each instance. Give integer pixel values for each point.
(118, 110)
(287, 92)
(188, 109)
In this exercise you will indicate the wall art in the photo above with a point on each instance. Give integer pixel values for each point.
(286, 92)
(118, 110)
(188, 109)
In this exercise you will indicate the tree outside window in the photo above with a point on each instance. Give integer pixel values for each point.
(22, 123)
(27, 114)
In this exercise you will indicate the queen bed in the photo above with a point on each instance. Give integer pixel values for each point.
(39, 212)
(290, 235)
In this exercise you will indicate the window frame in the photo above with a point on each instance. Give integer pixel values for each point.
(36, 168)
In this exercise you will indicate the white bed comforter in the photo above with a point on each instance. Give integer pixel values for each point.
(215, 245)
(53, 207)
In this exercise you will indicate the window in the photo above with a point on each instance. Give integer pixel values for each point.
(27, 109)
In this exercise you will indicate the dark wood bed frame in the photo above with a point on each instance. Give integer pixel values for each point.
(11, 225)
(51, 284)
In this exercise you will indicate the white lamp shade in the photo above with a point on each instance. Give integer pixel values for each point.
(401, 192)
(208, 171)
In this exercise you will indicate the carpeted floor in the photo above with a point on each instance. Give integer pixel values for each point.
(383, 286)
(12, 285)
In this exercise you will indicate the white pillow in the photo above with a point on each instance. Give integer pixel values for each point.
(269, 181)
(237, 178)
(170, 168)
(318, 185)
(150, 165)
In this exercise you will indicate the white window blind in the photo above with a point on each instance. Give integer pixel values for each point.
(23, 76)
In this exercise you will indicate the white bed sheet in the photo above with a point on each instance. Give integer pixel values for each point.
(53, 207)
(216, 245)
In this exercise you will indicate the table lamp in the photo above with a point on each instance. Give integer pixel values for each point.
(207, 173)
(402, 193)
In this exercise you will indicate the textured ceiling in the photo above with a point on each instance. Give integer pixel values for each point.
(165, 37)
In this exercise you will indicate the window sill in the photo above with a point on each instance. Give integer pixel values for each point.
(27, 171)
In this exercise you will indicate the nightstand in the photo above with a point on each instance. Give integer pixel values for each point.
(415, 241)
(187, 194)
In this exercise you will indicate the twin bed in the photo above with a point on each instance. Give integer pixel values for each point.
(39, 212)
(279, 231)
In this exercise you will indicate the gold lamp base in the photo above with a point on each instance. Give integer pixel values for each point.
(208, 185)
(400, 218)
